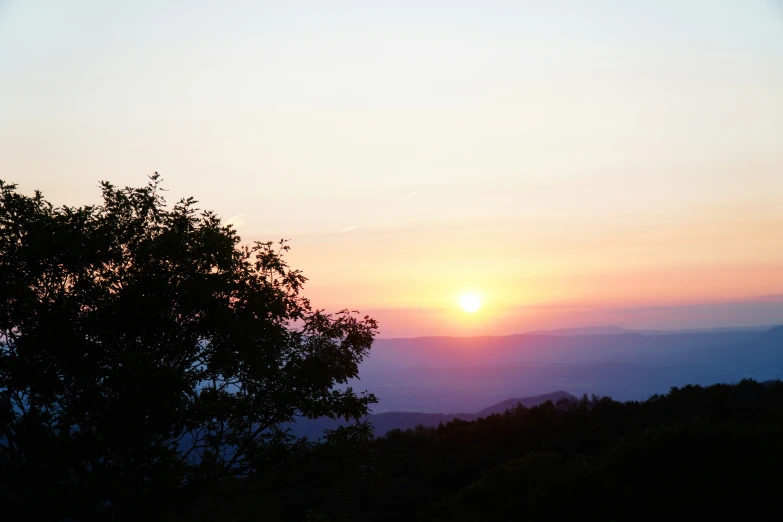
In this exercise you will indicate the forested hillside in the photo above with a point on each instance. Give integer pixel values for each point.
(697, 450)
(592, 459)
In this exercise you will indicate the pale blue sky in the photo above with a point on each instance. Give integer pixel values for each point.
(567, 127)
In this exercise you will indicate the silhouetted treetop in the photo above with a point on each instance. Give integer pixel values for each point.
(145, 347)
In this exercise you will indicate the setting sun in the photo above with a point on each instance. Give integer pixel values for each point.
(470, 303)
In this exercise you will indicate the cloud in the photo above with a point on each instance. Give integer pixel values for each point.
(409, 196)
(236, 221)
(403, 200)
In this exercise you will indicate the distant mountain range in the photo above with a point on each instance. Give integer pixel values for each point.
(587, 330)
(417, 380)
(726, 329)
(385, 422)
(442, 374)
(616, 330)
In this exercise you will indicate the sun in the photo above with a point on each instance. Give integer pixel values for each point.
(470, 302)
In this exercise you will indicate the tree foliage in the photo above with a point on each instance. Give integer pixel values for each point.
(704, 451)
(144, 348)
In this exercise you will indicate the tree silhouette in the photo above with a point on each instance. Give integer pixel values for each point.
(144, 349)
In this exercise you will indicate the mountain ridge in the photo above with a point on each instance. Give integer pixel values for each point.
(594, 330)
(403, 420)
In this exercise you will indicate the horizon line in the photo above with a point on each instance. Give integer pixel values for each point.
(640, 331)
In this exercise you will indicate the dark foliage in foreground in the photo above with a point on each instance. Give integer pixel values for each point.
(149, 361)
(701, 449)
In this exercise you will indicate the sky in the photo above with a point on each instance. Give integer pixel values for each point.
(572, 163)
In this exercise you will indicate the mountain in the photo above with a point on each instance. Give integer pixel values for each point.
(615, 330)
(404, 420)
(527, 402)
(771, 339)
(725, 329)
(587, 330)
(440, 352)
(755, 357)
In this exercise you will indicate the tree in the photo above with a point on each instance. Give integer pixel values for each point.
(143, 349)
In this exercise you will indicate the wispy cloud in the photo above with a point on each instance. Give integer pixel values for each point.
(409, 196)
(236, 221)
(403, 200)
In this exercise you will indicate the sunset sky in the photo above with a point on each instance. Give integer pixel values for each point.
(571, 163)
